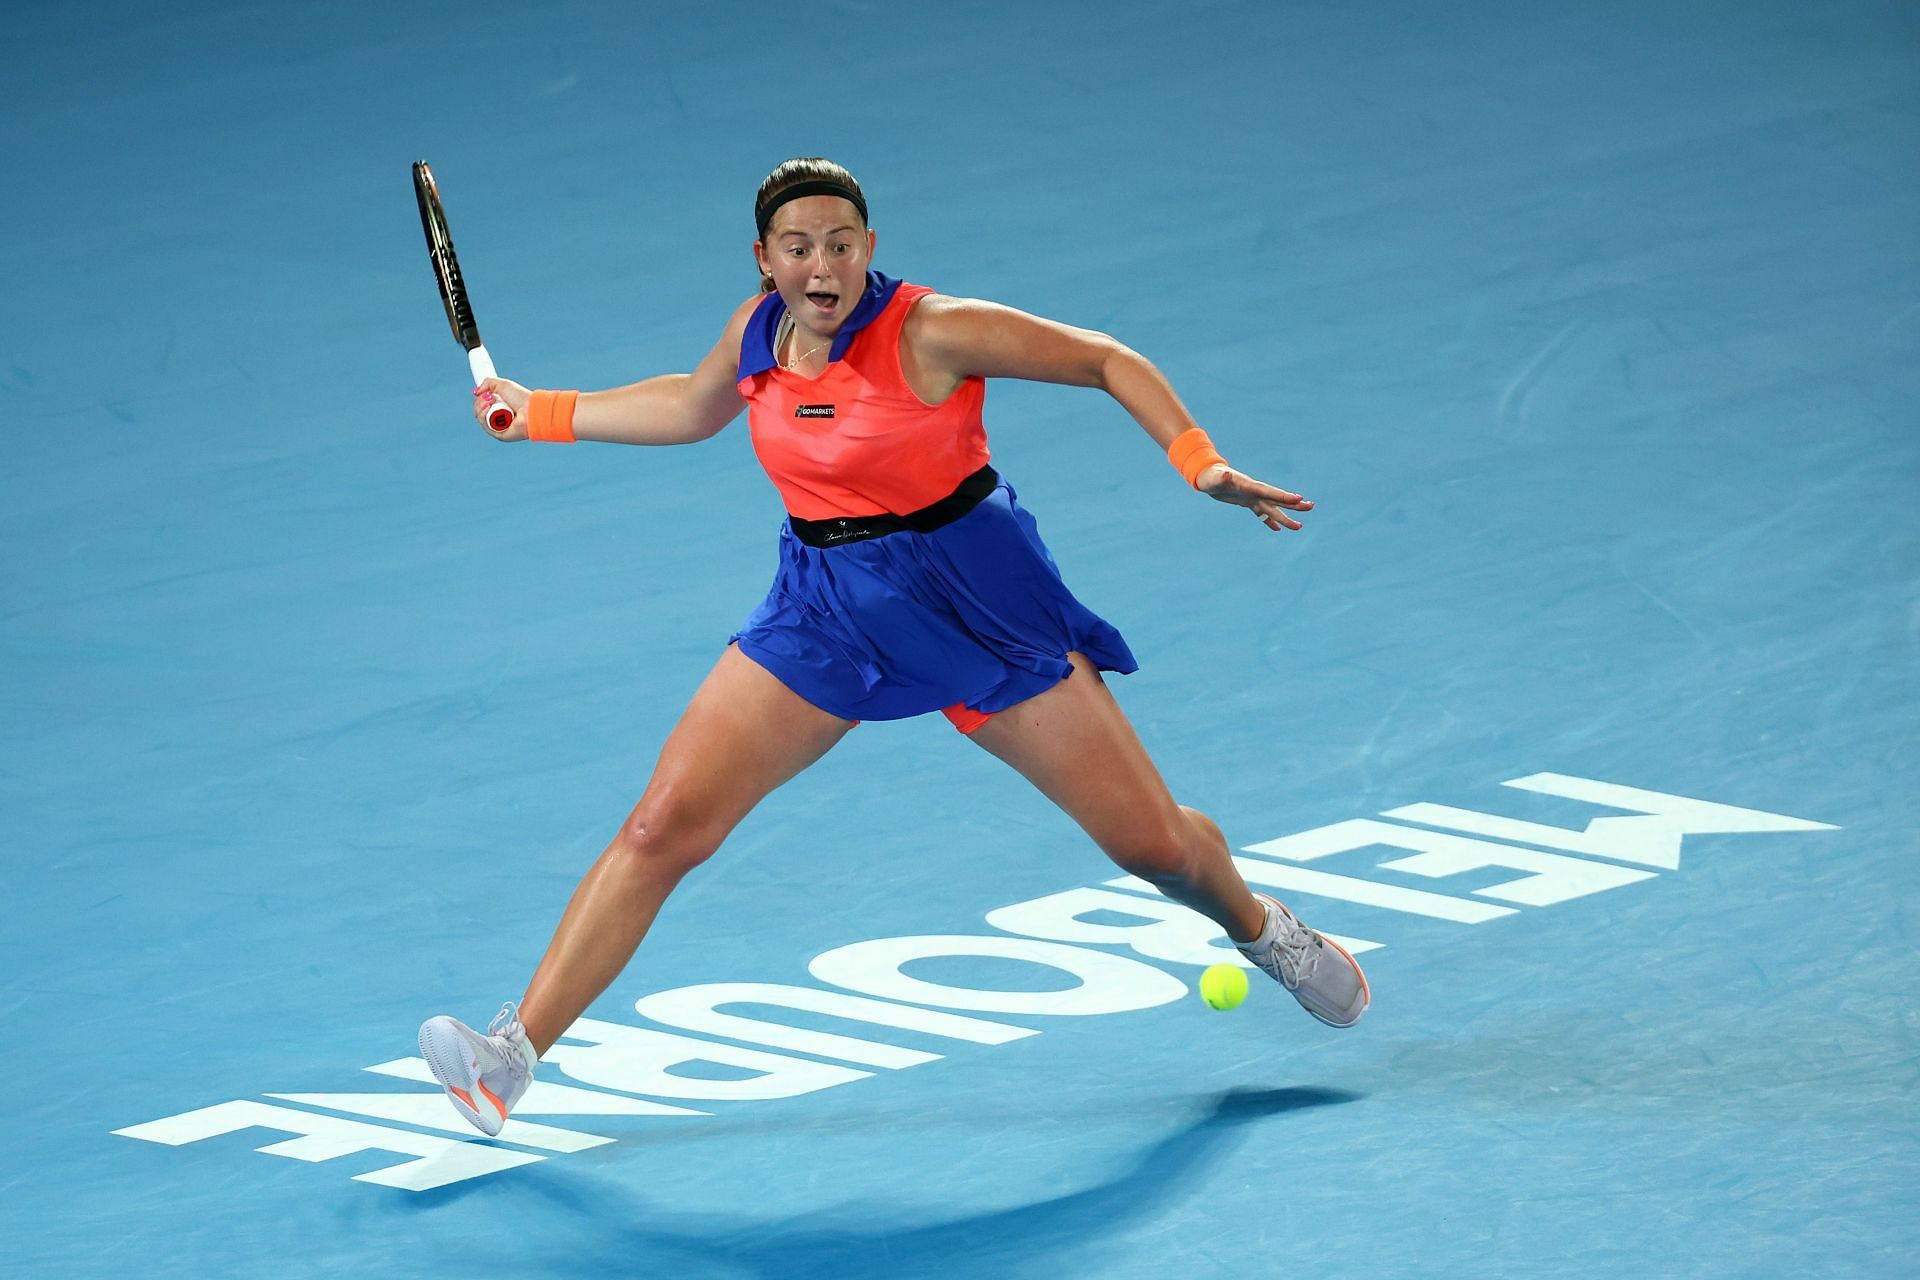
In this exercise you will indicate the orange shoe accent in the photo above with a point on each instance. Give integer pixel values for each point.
(464, 1096)
(501, 1107)
(965, 718)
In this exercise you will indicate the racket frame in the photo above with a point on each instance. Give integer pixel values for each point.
(453, 289)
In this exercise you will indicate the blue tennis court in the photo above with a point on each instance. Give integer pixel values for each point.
(1586, 708)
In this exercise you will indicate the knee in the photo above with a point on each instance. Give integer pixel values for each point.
(1160, 856)
(1167, 854)
(1209, 829)
(661, 840)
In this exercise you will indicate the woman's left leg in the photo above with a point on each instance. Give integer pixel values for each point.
(1075, 744)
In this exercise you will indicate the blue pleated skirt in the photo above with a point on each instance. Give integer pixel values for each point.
(973, 613)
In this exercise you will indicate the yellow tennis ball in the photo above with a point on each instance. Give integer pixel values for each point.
(1223, 985)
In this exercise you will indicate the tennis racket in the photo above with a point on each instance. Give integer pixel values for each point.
(453, 290)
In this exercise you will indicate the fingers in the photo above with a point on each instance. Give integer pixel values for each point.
(1229, 485)
(491, 409)
(1274, 517)
(1279, 496)
(1269, 504)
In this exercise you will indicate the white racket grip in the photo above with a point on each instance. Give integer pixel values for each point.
(499, 416)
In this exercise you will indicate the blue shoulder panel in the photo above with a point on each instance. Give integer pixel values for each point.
(756, 345)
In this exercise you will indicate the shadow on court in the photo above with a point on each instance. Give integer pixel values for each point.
(854, 1240)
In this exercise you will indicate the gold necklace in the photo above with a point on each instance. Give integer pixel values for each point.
(790, 335)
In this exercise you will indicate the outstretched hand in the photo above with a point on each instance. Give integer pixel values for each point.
(1223, 484)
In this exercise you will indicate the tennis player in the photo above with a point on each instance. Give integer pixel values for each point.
(911, 580)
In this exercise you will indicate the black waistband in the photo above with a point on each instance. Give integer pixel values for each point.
(832, 533)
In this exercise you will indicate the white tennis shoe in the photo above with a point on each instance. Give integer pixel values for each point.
(483, 1075)
(1322, 976)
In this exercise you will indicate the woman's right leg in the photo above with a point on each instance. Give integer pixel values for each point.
(743, 734)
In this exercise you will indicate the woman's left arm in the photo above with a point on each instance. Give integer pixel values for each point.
(950, 339)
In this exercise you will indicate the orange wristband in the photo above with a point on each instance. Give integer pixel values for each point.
(1191, 453)
(550, 416)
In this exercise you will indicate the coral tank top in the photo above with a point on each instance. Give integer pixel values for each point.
(856, 441)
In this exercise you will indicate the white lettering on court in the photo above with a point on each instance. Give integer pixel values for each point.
(438, 1161)
(1550, 878)
(1055, 932)
(1108, 984)
(1651, 839)
(697, 1008)
(638, 1060)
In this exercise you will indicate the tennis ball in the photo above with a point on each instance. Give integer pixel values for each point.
(1223, 985)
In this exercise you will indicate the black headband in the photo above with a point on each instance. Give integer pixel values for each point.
(818, 187)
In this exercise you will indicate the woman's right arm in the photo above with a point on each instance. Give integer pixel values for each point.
(674, 408)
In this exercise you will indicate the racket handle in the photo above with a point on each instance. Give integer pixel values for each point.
(499, 417)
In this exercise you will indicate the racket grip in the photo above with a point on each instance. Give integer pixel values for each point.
(499, 417)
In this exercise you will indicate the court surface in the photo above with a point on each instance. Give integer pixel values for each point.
(1593, 332)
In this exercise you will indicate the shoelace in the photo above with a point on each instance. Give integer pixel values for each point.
(1294, 944)
(508, 1015)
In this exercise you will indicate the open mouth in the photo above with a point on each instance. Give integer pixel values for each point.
(824, 301)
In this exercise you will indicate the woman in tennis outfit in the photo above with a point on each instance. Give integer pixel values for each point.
(910, 580)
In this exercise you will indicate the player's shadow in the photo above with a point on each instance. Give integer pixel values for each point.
(853, 1240)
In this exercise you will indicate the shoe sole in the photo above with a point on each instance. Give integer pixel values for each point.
(453, 1066)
